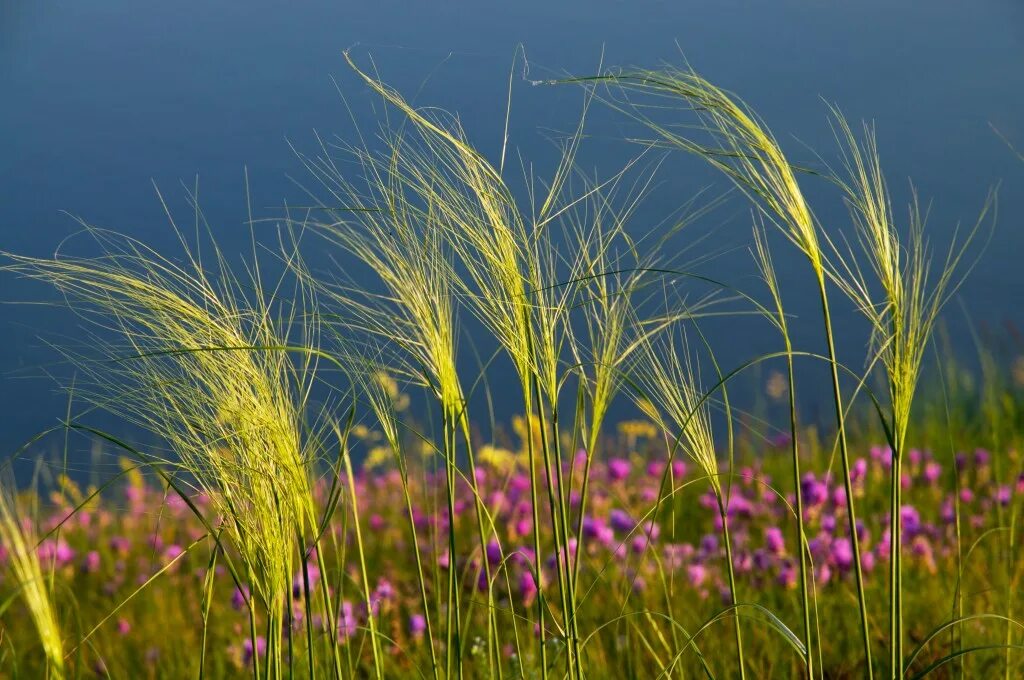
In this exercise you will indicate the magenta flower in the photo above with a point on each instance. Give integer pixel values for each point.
(774, 540)
(842, 553)
(948, 511)
(493, 552)
(815, 492)
(580, 459)
(618, 469)
(859, 471)
(708, 545)
(824, 574)
(839, 497)
(597, 530)
(247, 648)
(91, 563)
(527, 586)
(787, 575)
(417, 625)
(621, 521)
(1003, 495)
(381, 594)
(58, 552)
(911, 520)
(696, 573)
(524, 527)
(676, 555)
(240, 597)
(347, 625)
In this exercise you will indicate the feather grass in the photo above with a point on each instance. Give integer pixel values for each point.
(31, 583)
(202, 368)
(902, 316)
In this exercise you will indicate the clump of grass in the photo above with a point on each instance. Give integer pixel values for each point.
(397, 229)
(902, 313)
(744, 149)
(508, 279)
(766, 265)
(669, 392)
(207, 370)
(206, 361)
(31, 583)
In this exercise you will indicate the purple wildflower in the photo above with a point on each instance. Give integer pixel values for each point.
(417, 625)
(618, 469)
(247, 649)
(774, 540)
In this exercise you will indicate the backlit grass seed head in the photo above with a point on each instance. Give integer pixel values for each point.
(746, 150)
(509, 266)
(205, 370)
(23, 565)
(397, 233)
(904, 314)
(669, 393)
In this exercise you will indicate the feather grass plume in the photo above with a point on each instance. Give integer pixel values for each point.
(207, 370)
(31, 583)
(745, 150)
(902, 314)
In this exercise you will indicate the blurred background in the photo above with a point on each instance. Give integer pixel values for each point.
(99, 101)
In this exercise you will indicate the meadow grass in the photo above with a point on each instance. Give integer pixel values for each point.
(323, 490)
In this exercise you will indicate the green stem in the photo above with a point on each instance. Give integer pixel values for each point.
(535, 504)
(561, 547)
(801, 531)
(329, 611)
(420, 579)
(847, 485)
(732, 584)
(306, 595)
(568, 557)
(371, 619)
(252, 632)
(895, 571)
(493, 646)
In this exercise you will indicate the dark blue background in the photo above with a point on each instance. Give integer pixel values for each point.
(99, 98)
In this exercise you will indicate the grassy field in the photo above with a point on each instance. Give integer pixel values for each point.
(373, 532)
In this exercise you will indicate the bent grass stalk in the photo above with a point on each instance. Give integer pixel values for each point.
(764, 262)
(31, 584)
(750, 156)
(398, 230)
(188, 372)
(902, 317)
(668, 392)
(504, 256)
(204, 366)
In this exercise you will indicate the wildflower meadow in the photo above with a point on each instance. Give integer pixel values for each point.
(318, 487)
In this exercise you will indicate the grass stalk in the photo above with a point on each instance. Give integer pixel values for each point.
(844, 456)
(370, 616)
